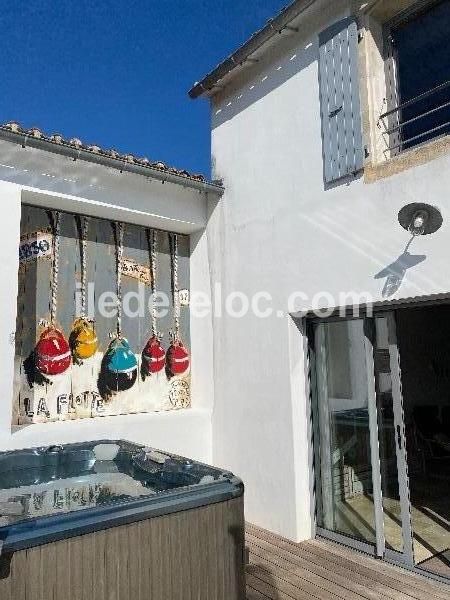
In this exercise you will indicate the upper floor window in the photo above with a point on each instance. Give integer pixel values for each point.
(417, 76)
(384, 81)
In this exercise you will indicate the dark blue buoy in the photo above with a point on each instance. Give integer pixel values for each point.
(120, 366)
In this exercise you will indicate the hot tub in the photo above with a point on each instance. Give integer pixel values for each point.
(144, 526)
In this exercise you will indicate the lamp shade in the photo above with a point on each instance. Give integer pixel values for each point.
(431, 215)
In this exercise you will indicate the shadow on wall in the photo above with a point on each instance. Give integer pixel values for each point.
(285, 62)
(395, 272)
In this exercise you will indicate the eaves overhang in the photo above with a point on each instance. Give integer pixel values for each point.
(126, 163)
(243, 54)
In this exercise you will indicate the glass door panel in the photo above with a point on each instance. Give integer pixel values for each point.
(391, 436)
(359, 436)
(424, 342)
(342, 423)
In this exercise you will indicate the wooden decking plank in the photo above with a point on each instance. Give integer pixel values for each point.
(347, 569)
(360, 584)
(252, 594)
(441, 590)
(287, 583)
(318, 588)
(274, 590)
(334, 582)
(393, 584)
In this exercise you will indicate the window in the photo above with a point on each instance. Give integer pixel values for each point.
(417, 76)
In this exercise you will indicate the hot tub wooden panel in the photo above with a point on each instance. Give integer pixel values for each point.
(194, 554)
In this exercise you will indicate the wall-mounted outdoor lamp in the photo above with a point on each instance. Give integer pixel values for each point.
(419, 218)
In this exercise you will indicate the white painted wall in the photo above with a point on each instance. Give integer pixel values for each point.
(278, 229)
(42, 178)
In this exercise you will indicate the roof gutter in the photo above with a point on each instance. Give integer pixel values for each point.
(119, 163)
(274, 26)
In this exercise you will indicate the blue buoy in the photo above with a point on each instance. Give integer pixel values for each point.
(120, 366)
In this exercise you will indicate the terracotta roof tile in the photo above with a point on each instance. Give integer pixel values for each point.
(57, 138)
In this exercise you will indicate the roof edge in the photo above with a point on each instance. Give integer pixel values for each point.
(241, 55)
(25, 138)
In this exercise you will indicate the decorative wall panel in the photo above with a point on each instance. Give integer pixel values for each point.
(77, 355)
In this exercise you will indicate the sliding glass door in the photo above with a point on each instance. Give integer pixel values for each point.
(360, 462)
(342, 418)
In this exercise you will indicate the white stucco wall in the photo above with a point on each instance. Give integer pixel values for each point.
(42, 178)
(282, 231)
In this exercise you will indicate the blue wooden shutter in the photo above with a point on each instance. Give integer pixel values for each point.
(339, 100)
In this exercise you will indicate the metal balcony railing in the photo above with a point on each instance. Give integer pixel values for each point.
(399, 142)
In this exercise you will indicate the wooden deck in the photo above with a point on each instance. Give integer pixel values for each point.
(320, 570)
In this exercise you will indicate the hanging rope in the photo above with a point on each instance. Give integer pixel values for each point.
(173, 242)
(119, 248)
(55, 267)
(84, 233)
(152, 240)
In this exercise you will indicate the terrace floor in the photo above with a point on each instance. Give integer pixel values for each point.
(321, 570)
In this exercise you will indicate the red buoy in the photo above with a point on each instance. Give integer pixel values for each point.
(52, 352)
(177, 358)
(154, 356)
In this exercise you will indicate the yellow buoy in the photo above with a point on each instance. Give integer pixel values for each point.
(83, 339)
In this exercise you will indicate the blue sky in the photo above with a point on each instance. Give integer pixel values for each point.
(117, 73)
